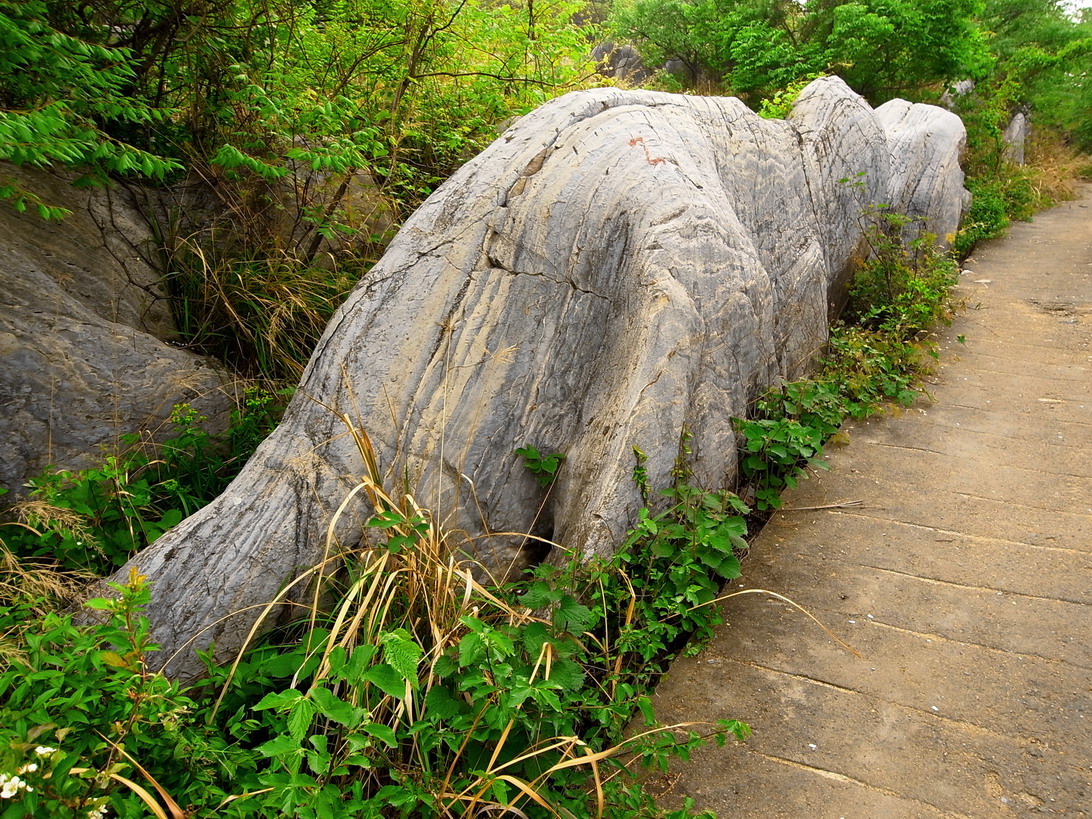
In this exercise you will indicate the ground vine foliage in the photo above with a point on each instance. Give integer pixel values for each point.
(94, 520)
(408, 688)
(876, 356)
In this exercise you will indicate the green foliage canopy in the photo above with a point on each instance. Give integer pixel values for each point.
(886, 48)
(60, 97)
(882, 48)
(246, 87)
(1045, 55)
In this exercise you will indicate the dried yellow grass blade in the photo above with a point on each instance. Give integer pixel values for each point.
(528, 791)
(243, 795)
(792, 603)
(172, 806)
(360, 487)
(146, 797)
(266, 608)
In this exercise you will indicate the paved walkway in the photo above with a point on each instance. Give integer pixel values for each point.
(963, 578)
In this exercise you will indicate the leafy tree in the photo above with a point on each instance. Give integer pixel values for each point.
(1045, 55)
(246, 89)
(1015, 24)
(880, 47)
(668, 30)
(60, 98)
(888, 48)
(715, 37)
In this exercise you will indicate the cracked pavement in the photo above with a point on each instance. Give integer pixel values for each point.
(957, 560)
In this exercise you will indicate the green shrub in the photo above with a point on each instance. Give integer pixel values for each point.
(421, 692)
(996, 200)
(86, 730)
(901, 290)
(875, 356)
(408, 689)
(779, 105)
(986, 219)
(96, 519)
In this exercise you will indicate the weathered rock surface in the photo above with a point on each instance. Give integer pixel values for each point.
(1015, 136)
(617, 268)
(926, 181)
(83, 329)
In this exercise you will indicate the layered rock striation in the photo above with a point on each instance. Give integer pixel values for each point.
(85, 334)
(618, 269)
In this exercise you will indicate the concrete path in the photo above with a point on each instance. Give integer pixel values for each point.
(964, 580)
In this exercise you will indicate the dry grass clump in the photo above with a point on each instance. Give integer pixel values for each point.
(40, 581)
(264, 314)
(1055, 166)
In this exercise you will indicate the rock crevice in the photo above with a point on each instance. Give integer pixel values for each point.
(86, 352)
(703, 250)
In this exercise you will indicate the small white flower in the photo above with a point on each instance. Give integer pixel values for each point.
(97, 813)
(11, 786)
(30, 767)
(44, 750)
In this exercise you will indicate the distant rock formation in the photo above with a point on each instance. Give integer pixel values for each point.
(618, 268)
(1016, 134)
(620, 61)
(84, 332)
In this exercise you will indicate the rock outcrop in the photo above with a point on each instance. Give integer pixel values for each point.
(926, 180)
(620, 61)
(84, 332)
(618, 268)
(1015, 136)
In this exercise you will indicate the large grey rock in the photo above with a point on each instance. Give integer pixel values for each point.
(926, 144)
(84, 332)
(618, 268)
